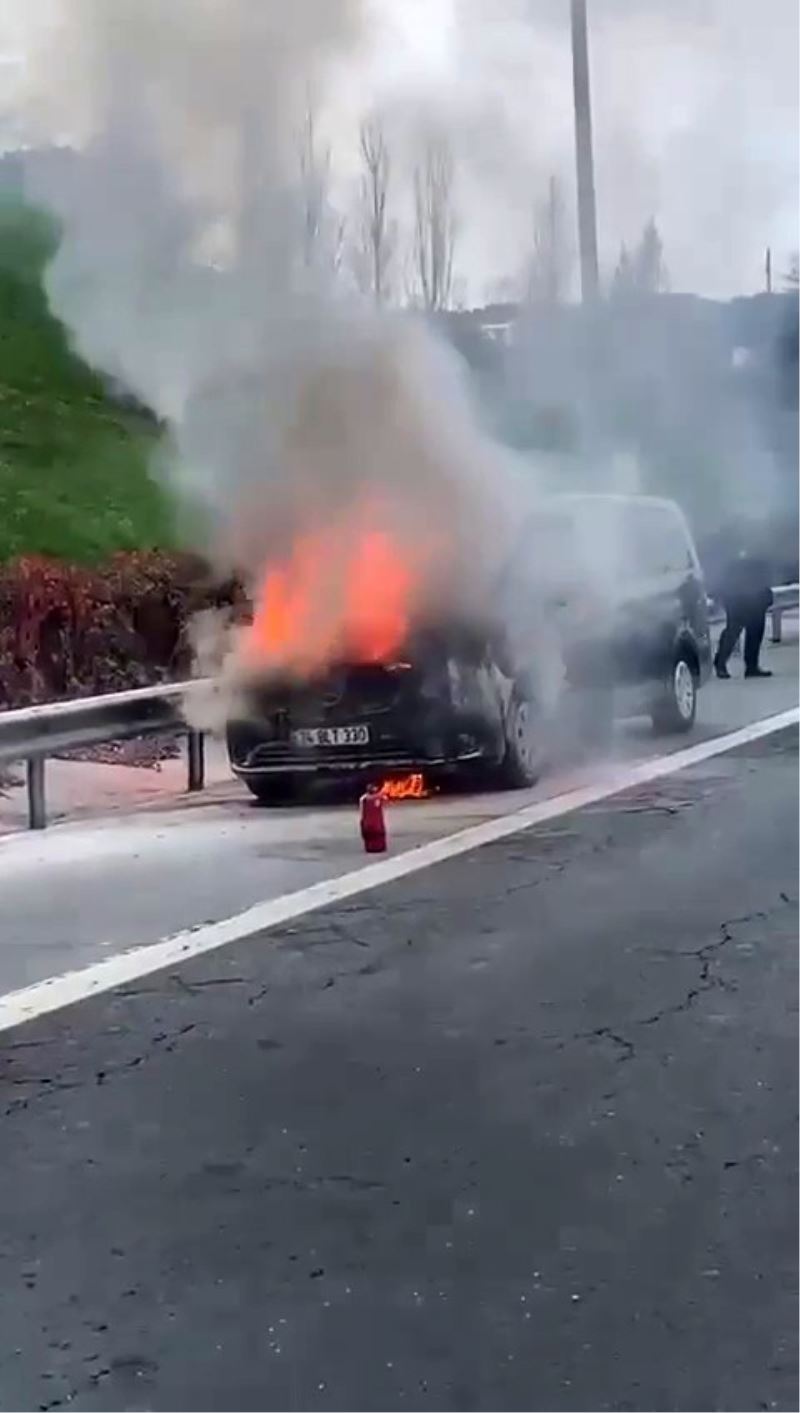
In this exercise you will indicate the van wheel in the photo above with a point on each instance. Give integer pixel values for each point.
(274, 789)
(675, 710)
(522, 763)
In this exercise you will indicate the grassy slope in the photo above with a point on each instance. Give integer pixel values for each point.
(73, 463)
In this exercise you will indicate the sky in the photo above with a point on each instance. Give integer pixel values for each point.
(695, 109)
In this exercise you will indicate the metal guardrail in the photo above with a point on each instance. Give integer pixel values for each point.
(784, 598)
(34, 733)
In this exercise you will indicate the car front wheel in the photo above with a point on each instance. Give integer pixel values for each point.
(274, 789)
(524, 749)
(675, 710)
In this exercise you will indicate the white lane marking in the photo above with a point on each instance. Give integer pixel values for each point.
(58, 992)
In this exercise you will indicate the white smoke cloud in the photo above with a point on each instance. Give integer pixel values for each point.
(695, 107)
(185, 271)
(183, 268)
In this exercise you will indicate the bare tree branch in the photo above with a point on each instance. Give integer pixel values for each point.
(322, 228)
(641, 271)
(434, 225)
(548, 267)
(376, 233)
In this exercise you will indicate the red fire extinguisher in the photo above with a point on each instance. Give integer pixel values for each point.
(372, 820)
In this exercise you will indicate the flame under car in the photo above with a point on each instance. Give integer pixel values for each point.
(449, 708)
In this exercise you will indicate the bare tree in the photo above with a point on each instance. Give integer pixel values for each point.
(434, 226)
(651, 272)
(548, 266)
(322, 228)
(623, 283)
(376, 233)
(641, 271)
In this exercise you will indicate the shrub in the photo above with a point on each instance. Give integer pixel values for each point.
(67, 630)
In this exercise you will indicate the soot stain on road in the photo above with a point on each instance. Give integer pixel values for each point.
(533, 1148)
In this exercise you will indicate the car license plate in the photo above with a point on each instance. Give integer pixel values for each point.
(316, 736)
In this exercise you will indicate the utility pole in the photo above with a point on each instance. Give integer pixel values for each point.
(553, 234)
(584, 161)
(768, 269)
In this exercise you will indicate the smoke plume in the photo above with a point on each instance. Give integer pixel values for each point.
(315, 445)
(311, 440)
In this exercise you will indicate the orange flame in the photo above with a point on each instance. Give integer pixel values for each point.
(408, 787)
(347, 592)
(378, 599)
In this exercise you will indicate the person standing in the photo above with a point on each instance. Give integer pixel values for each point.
(746, 596)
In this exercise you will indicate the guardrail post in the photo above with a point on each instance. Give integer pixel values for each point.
(37, 810)
(196, 753)
(777, 625)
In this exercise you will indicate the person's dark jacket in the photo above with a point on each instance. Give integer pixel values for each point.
(745, 584)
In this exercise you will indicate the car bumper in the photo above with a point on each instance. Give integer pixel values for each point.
(345, 764)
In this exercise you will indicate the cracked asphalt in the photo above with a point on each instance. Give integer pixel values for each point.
(517, 1132)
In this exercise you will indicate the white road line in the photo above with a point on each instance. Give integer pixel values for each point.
(58, 992)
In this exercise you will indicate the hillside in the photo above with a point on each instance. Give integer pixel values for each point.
(73, 460)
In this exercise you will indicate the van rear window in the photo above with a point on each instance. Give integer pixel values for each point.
(547, 548)
(600, 543)
(656, 540)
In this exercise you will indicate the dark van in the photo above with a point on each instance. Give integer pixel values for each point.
(621, 577)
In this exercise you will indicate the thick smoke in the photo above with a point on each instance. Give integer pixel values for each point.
(190, 272)
(186, 116)
(695, 107)
(186, 271)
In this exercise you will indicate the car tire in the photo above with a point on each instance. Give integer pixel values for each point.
(523, 759)
(274, 789)
(674, 711)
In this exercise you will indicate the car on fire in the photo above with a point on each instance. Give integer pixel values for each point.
(450, 708)
(610, 588)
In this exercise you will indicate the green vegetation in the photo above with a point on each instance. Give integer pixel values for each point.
(73, 461)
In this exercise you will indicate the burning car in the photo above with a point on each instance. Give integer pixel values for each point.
(452, 704)
(357, 664)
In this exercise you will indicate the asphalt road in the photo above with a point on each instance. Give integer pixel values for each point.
(92, 887)
(516, 1132)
